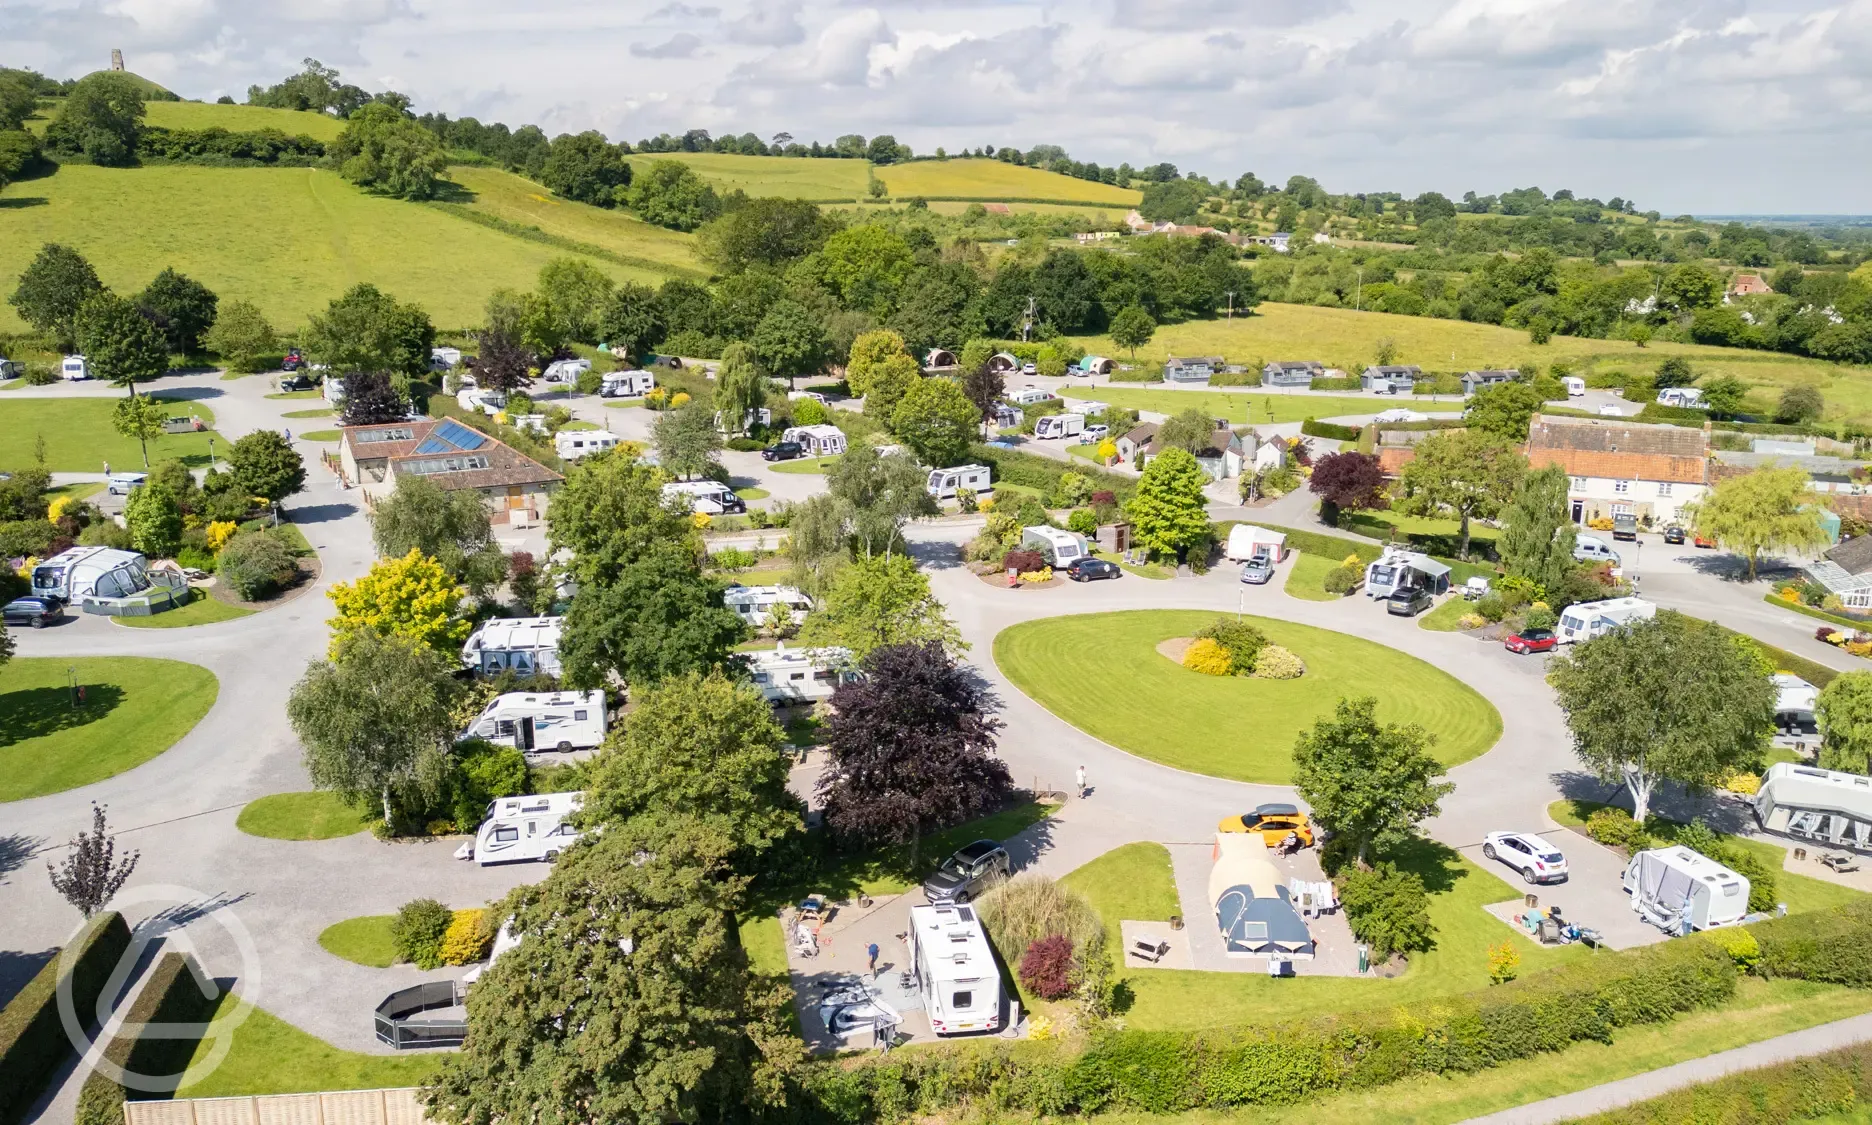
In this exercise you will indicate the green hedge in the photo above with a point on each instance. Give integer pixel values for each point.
(1837, 1082)
(1780, 602)
(1337, 383)
(1031, 471)
(1312, 428)
(171, 995)
(32, 1037)
(1332, 547)
(1828, 946)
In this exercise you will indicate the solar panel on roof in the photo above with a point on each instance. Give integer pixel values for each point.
(451, 436)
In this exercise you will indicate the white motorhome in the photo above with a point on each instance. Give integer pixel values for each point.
(1585, 620)
(1059, 548)
(1575, 386)
(822, 440)
(1825, 806)
(1246, 541)
(1059, 426)
(954, 969)
(566, 370)
(1088, 409)
(1027, 396)
(74, 368)
(90, 571)
(1678, 891)
(710, 497)
(800, 675)
(1681, 396)
(753, 603)
(442, 359)
(944, 482)
(626, 384)
(574, 444)
(1399, 570)
(1795, 701)
(749, 419)
(518, 829)
(523, 645)
(562, 721)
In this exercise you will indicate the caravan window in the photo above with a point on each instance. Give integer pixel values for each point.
(580, 716)
(504, 726)
(1382, 575)
(1730, 890)
(506, 835)
(961, 1000)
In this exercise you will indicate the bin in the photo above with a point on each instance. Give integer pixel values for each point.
(1364, 958)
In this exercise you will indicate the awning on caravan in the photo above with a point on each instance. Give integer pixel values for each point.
(1253, 910)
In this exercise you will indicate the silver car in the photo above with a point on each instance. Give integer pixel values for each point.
(1257, 571)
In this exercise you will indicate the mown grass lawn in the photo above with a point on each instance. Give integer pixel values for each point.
(79, 436)
(203, 608)
(320, 435)
(1102, 673)
(362, 941)
(326, 413)
(135, 708)
(1378, 525)
(1306, 579)
(270, 1056)
(804, 465)
(1133, 882)
(1443, 618)
(1253, 407)
(315, 815)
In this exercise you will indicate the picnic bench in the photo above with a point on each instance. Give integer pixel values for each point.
(1149, 950)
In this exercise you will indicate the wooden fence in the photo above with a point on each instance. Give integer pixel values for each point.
(339, 1107)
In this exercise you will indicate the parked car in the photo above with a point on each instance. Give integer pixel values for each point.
(35, 610)
(1408, 602)
(298, 381)
(293, 361)
(966, 874)
(1273, 822)
(1610, 411)
(1257, 571)
(1706, 544)
(783, 451)
(1029, 369)
(1674, 535)
(1092, 435)
(1530, 640)
(1537, 860)
(1089, 569)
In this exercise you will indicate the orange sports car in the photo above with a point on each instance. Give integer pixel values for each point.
(1273, 822)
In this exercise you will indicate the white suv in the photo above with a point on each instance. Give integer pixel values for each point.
(1092, 435)
(1536, 859)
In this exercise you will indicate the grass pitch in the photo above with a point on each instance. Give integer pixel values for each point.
(316, 814)
(79, 435)
(135, 708)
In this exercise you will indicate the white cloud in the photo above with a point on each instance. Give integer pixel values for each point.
(682, 45)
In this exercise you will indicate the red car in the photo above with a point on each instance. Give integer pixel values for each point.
(1530, 640)
(1699, 541)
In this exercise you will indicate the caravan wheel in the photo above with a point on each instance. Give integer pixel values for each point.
(565, 747)
(550, 856)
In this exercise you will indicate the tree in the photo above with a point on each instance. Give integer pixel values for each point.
(702, 746)
(91, 873)
(883, 149)
(790, 341)
(503, 364)
(1537, 537)
(764, 232)
(139, 417)
(1799, 404)
(740, 388)
(370, 399)
(984, 388)
(181, 307)
(577, 293)
(1346, 482)
(119, 343)
(1666, 699)
(1132, 328)
(451, 527)
(51, 289)
(1504, 410)
(633, 1002)
(1845, 714)
(587, 168)
(937, 421)
(374, 720)
(654, 618)
(411, 598)
(1468, 474)
(866, 267)
(369, 330)
(686, 440)
(1766, 510)
(818, 541)
(670, 194)
(1169, 512)
(155, 520)
(609, 513)
(880, 601)
(265, 464)
(1724, 395)
(1688, 287)
(1369, 783)
(101, 119)
(881, 371)
(384, 151)
(1189, 430)
(629, 322)
(880, 494)
(242, 337)
(1673, 371)
(19, 98)
(910, 749)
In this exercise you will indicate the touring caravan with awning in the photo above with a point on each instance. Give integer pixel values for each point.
(1678, 890)
(1403, 570)
(1253, 907)
(523, 645)
(1825, 806)
(1585, 620)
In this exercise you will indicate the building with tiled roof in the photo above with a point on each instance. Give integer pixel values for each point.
(1623, 468)
(451, 456)
(1747, 285)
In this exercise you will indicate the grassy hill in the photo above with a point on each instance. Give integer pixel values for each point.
(490, 194)
(241, 119)
(990, 180)
(790, 177)
(152, 89)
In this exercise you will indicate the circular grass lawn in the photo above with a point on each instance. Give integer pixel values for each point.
(317, 815)
(1102, 673)
(363, 941)
(135, 708)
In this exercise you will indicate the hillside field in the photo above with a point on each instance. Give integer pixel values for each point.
(288, 239)
(789, 177)
(241, 119)
(989, 180)
(514, 199)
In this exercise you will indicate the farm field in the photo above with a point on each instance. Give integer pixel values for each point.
(1086, 211)
(287, 239)
(79, 435)
(1102, 673)
(789, 177)
(995, 179)
(1346, 339)
(514, 199)
(240, 119)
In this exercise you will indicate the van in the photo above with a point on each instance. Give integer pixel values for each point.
(527, 721)
(74, 368)
(709, 497)
(571, 445)
(626, 384)
(1059, 426)
(518, 829)
(1027, 396)
(1582, 621)
(943, 483)
(1059, 548)
(565, 370)
(1575, 386)
(123, 484)
(1588, 548)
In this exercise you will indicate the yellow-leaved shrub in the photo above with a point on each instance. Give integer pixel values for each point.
(467, 938)
(1207, 657)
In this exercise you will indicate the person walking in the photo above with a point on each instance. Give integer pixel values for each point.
(872, 952)
(107, 468)
(1079, 779)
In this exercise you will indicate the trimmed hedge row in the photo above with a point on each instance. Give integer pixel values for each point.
(1828, 946)
(1834, 1083)
(172, 995)
(32, 1037)
(1313, 428)
(1029, 471)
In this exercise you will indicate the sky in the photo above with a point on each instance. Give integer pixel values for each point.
(1701, 106)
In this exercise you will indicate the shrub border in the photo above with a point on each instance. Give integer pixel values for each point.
(32, 1036)
(170, 996)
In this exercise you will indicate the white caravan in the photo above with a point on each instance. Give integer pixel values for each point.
(90, 572)
(74, 368)
(1585, 620)
(518, 829)
(626, 384)
(562, 721)
(1575, 386)
(571, 445)
(443, 359)
(800, 675)
(1246, 541)
(1678, 890)
(1825, 806)
(1027, 396)
(1399, 570)
(753, 603)
(1059, 548)
(955, 970)
(565, 370)
(710, 497)
(1795, 701)
(523, 645)
(822, 440)
(1681, 396)
(1059, 426)
(943, 483)
(749, 419)
(1087, 409)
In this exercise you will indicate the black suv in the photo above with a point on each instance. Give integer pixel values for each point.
(1408, 602)
(783, 451)
(968, 873)
(35, 610)
(295, 382)
(1090, 569)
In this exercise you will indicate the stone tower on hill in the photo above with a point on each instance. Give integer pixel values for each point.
(117, 58)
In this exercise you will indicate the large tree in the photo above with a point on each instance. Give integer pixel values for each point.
(1671, 698)
(181, 307)
(670, 194)
(740, 388)
(1132, 328)
(882, 494)
(630, 322)
(1504, 410)
(790, 341)
(1537, 537)
(984, 388)
(120, 345)
(818, 541)
(1468, 474)
(1191, 430)
(265, 464)
(910, 749)
(609, 513)
(587, 168)
(410, 597)
(687, 440)
(451, 527)
(370, 399)
(242, 337)
(576, 294)
(877, 602)
(1346, 482)
(51, 289)
(936, 420)
(101, 119)
(880, 371)
(1845, 714)
(155, 520)
(1370, 783)
(383, 150)
(1766, 510)
(140, 417)
(374, 720)
(1169, 512)
(765, 232)
(368, 330)
(655, 617)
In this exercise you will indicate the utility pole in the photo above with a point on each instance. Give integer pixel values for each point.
(1032, 316)
(1231, 304)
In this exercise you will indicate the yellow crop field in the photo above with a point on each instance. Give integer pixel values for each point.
(515, 199)
(786, 176)
(995, 179)
(241, 119)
